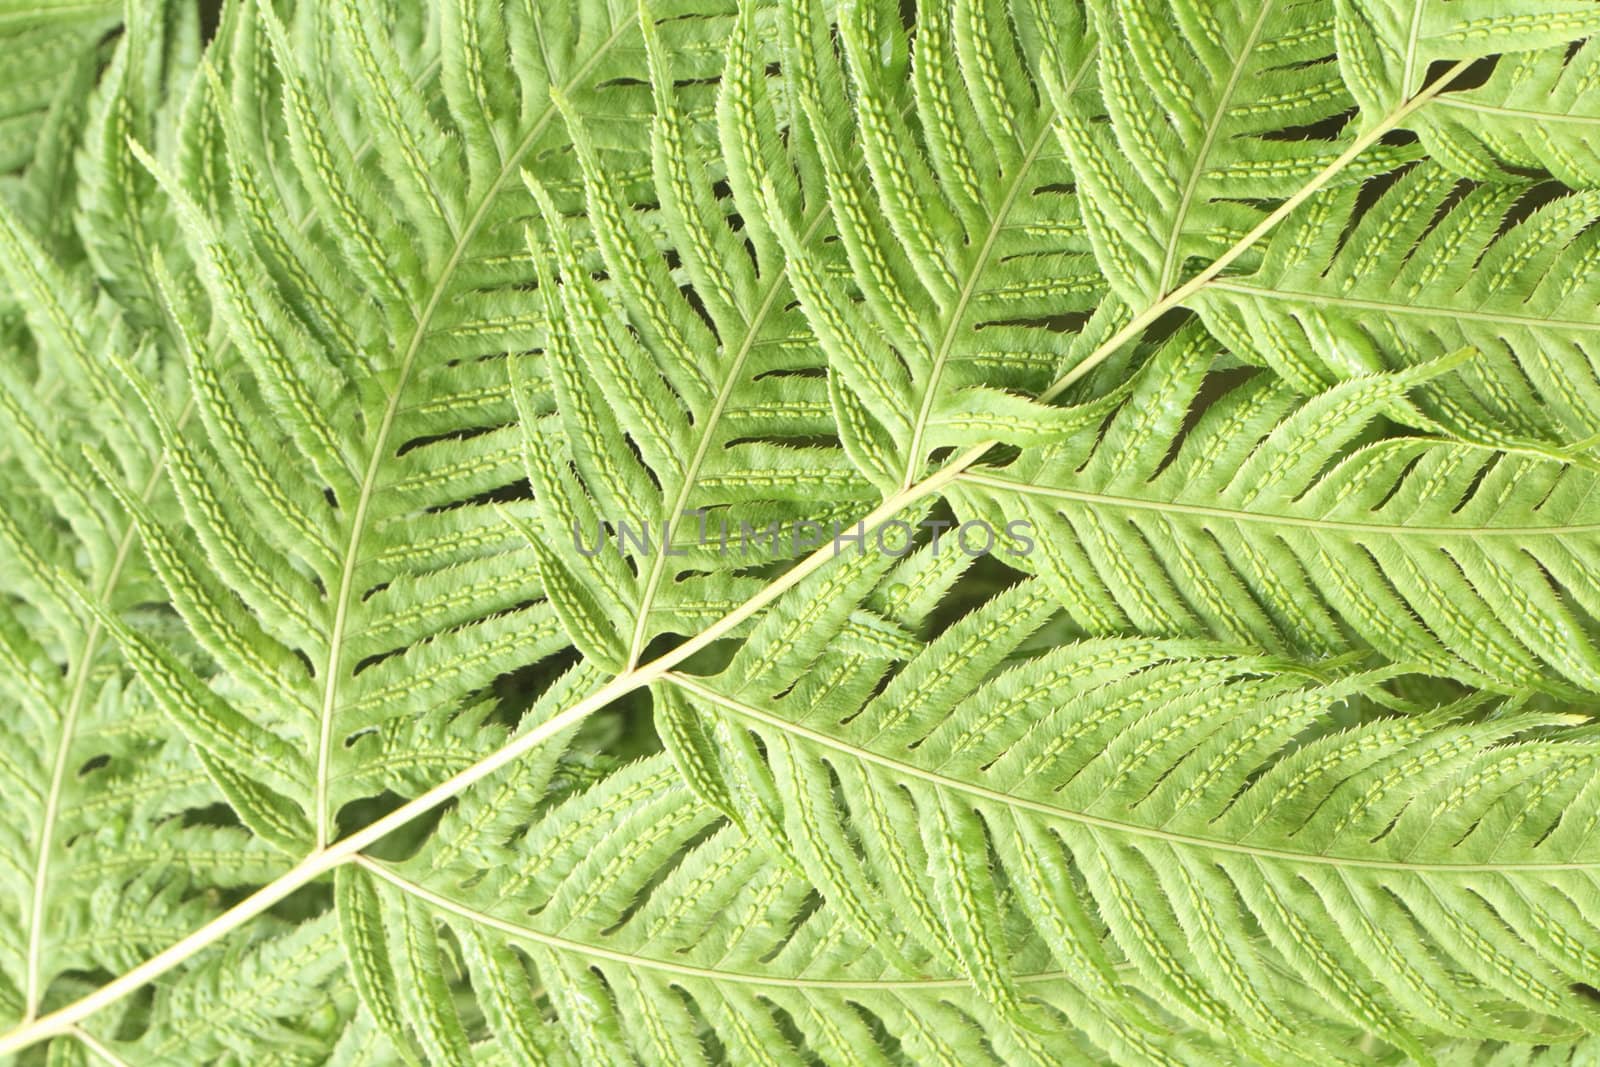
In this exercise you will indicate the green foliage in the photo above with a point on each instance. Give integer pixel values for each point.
(1255, 340)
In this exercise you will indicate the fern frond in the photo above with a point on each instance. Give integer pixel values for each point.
(1216, 112)
(1190, 810)
(280, 994)
(1387, 48)
(963, 243)
(104, 789)
(1347, 288)
(50, 55)
(120, 223)
(1536, 111)
(681, 426)
(1245, 514)
(341, 497)
(1279, 755)
(678, 941)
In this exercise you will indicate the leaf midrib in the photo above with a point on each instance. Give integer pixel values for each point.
(1110, 502)
(1521, 113)
(1171, 260)
(375, 463)
(1266, 292)
(1100, 822)
(628, 959)
(81, 670)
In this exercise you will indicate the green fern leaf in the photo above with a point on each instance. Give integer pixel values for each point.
(105, 789)
(1206, 831)
(339, 489)
(1396, 290)
(1387, 46)
(662, 944)
(1165, 430)
(952, 327)
(718, 414)
(1284, 525)
(50, 52)
(1214, 111)
(1534, 113)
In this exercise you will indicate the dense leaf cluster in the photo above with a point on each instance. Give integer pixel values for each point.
(328, 330)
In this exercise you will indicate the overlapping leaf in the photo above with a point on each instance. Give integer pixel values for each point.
(966, 255)
(1244, 513)
(693, 435)
(1351, 287)
(358, 577)
(1216, 111)
(1190, 810)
